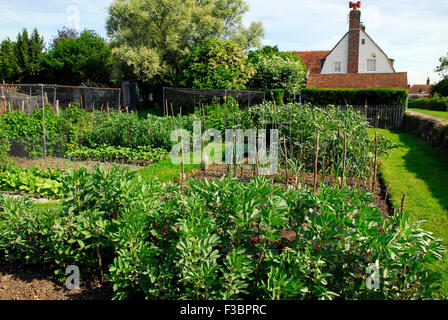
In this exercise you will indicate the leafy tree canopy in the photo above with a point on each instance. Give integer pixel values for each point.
(277, 70)
(63, 34)
(151, 37)
(76, 60)
(441, 88)
(9, 68)
(443, 67)
(216, 64)
(20, 60)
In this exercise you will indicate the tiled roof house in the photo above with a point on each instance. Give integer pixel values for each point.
(355, 62)
(420, 90)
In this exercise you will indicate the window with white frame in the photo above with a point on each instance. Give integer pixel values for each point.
(337, 66)
(371, 65)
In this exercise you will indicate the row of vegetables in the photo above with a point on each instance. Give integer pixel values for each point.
(221, 239)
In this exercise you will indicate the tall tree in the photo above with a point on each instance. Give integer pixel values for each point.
(9, 67)
(443, 67)
(151, 37)
(63, 34)
(216, 64)
(76, 60)
(277, 70)
(28, 51)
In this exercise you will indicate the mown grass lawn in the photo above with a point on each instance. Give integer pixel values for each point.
(420, 171)
(438, 114)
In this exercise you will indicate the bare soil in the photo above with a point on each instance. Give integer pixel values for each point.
(19, 282)
(65, 164)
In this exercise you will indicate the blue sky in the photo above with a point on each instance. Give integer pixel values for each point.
(411, 32)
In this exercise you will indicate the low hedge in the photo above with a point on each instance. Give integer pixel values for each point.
(435, 104)
(354, 96)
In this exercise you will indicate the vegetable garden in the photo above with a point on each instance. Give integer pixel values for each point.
(277, 237)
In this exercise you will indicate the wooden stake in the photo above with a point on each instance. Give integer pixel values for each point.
(57, 107)
(375, 165)
(402, 202)
(107, 107)
(93, 112)
(233, 159)
(286, 158)
(316, 159)
(387, 193)
(183, 163)
(344, 163)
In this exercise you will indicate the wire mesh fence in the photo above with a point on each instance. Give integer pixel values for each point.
(379, 116)
(27, 97)
(188, 99)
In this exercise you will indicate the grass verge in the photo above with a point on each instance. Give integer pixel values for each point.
(420, 171)
(437, 114)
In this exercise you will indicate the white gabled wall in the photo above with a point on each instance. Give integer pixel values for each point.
(366, 52)
(340, 53)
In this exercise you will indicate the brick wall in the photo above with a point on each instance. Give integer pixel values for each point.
(353, 42)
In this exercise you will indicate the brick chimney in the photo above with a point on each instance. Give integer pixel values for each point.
(354, 34)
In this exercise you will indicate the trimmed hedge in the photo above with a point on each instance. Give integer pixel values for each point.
(355, 96)
(435, 104)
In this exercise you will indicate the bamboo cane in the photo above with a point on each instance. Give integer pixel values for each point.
(402, 203)
(375, 165)
(286, 158)
(387, 193)
(316, 159)
(344, 164)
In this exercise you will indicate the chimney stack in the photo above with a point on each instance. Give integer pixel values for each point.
(354, 34)
(428, 82)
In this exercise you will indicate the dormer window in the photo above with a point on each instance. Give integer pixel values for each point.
(337, 66)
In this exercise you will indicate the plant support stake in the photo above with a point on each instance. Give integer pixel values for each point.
(316, 159)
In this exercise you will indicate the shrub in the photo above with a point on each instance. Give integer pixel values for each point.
(435, 103)
(354, 96)
(216, 64)
(441, 88)
(276, 72)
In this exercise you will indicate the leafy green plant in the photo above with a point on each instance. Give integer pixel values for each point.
(223, 239)
(143, 155)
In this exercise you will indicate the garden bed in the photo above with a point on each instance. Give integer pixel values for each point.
(31, 283)
(218, 171)
(64, 164)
